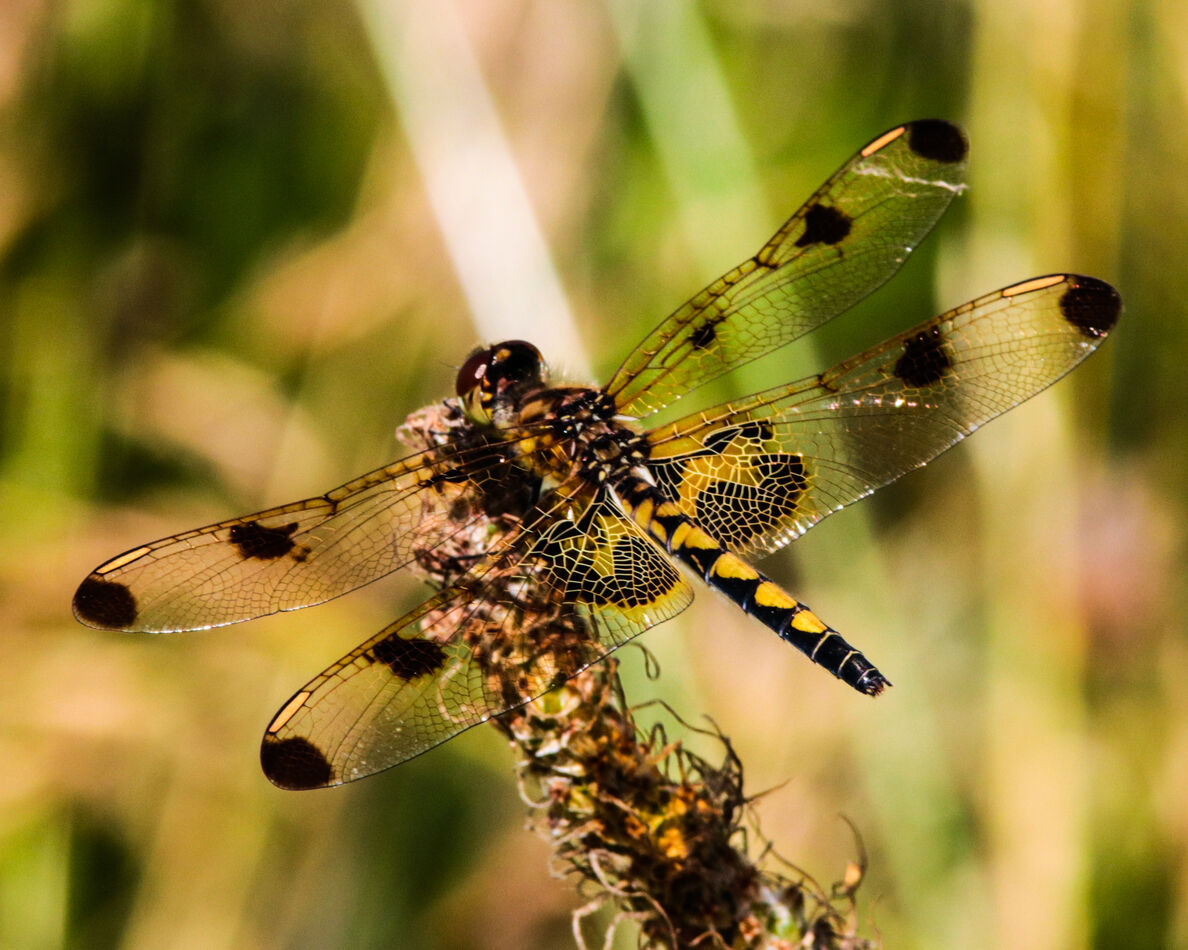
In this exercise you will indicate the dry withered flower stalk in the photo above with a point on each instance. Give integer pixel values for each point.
(647, 827)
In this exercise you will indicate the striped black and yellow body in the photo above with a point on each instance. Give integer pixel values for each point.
(551, 518)
(751, 589)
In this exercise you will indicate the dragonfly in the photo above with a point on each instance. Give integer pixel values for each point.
(557, 525)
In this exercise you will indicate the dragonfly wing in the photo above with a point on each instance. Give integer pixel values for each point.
(299, 554)
(758, 472)
(498, 638)
(844, 242)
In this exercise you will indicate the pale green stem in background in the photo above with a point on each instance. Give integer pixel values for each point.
(487, 222)
(695, 130)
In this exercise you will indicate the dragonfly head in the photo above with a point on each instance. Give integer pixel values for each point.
(489, 374)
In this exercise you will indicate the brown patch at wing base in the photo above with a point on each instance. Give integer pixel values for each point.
(295, 764)
(106, 604)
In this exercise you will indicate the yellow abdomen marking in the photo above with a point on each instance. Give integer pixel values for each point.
(732, 568)
(769, 594)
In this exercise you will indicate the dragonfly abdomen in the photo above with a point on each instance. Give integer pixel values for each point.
(751, 589)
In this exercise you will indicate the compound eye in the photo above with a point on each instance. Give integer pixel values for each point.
(515, 361)
(489, 372)
(473, 372)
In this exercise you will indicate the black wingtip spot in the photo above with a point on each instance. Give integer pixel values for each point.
(409, 658)
(938, 140)
(924, 360)
(824, 225)
(106, 604)
(264, 544)
(295, 764)
(1092, 306)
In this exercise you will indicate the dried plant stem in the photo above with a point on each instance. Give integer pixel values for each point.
(657, 832)
(646, 826)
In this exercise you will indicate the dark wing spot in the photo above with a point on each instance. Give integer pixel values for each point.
(1092, 306)
(704, 335)
(107, 604)
(295, 764)
(669, 476)
(783, 477)
(924, 359)
(755, 430)
(937, 140)
(824, 225)
(737, 513)
(555, 546)
(716, 442)
(640, 575)
(637, 577)
(264, 544)
(409, 659)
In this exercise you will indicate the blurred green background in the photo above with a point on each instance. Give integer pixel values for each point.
(240, 242)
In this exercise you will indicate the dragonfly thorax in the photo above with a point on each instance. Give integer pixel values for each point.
(575, 431)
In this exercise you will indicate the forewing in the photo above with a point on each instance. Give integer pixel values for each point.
(501, 637)
(761, 471)
(847, 240)
(299, 554)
